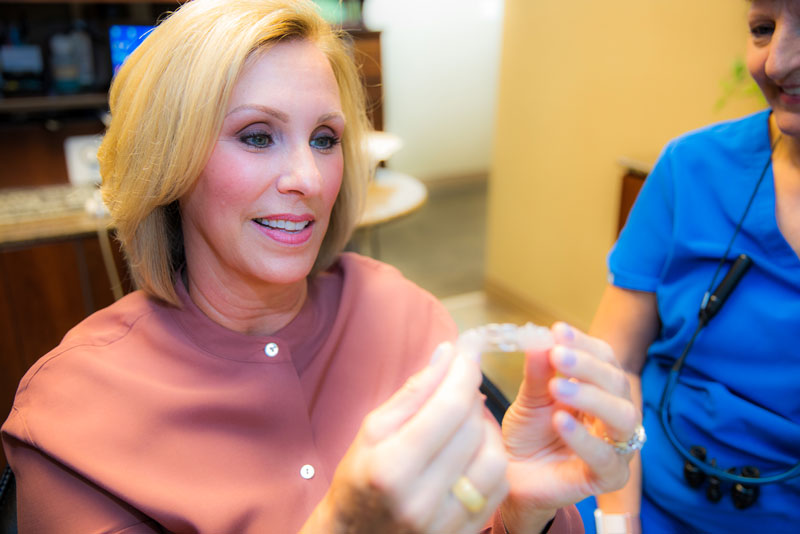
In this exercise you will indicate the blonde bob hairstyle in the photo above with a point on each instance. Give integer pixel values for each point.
(167, 106)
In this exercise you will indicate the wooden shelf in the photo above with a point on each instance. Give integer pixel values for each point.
(27, 104)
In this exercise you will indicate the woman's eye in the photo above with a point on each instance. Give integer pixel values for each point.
(256, 139)
(759, 31)
(325, 142)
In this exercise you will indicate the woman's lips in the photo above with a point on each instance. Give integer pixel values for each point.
(286, 229)
(790, 95)
(283, 224)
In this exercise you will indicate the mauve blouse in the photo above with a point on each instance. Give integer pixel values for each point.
(149, 418)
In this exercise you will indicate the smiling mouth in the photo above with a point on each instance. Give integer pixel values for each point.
(281, 224)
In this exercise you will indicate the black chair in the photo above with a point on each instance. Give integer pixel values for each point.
(8, 503)
(496, 402)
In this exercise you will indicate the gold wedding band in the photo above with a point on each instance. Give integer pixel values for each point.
(466, 492)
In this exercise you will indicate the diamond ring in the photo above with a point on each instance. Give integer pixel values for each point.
(634, 443)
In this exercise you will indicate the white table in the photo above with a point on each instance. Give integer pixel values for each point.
(391, 195)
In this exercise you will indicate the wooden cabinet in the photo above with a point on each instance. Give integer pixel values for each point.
(632, 182)
(32, 152)
(44, 291)
(367, 55)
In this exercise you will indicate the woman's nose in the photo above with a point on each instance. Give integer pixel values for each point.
(300, 173)
(784, 52)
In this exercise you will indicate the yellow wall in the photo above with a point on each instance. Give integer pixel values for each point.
(583, 83)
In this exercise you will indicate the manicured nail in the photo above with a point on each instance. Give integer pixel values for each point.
(566, 422)
(569, 333)
(440, 351)
(468, 345)
(566, 357)
(566, 387)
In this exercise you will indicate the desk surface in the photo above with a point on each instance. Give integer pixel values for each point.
(56, 228)
(390, 195)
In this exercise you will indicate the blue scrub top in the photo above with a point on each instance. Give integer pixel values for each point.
(739, 390)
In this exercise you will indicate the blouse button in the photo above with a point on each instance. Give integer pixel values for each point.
(271, 350)
(307, 471)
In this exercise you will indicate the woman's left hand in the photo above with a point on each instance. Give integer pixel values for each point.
(574, 399)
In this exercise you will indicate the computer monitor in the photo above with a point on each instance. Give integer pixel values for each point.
(123, 39)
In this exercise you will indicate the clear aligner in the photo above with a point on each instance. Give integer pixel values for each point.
(504, 337)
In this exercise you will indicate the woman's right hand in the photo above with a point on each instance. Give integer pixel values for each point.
(397, 475)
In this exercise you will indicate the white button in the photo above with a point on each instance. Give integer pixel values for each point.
(271, 350)
(307, 471)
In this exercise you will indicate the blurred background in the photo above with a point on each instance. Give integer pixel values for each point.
(520, 132)
(554, 103)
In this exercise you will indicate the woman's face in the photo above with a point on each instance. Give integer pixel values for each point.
(773, 58)
(260, 208)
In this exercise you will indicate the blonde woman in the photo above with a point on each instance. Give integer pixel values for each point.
(260, 380)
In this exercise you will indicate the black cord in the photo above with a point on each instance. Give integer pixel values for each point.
(739, 224)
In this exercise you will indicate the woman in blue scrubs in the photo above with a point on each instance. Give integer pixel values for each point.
(715, 194)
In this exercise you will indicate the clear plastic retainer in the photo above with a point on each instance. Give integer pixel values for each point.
(504, 337)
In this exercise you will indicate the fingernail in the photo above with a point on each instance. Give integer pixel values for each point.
(441, 350)
(566, 357)
(566, 422)
(471, 355)
(569, 333)
(566, 387)
(468, 345)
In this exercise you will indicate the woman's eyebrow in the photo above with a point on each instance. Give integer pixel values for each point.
(281, 116)
(332, 115)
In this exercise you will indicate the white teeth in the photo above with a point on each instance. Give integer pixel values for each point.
(794, 91)
(290, 226)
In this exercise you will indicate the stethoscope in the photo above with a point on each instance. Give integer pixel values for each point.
(711, 304)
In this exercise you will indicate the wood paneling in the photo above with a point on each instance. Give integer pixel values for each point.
(367, 55)
(33, 155)
(44, 291)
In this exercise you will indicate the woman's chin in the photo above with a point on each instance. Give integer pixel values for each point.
(284, 272)
(788, 122)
